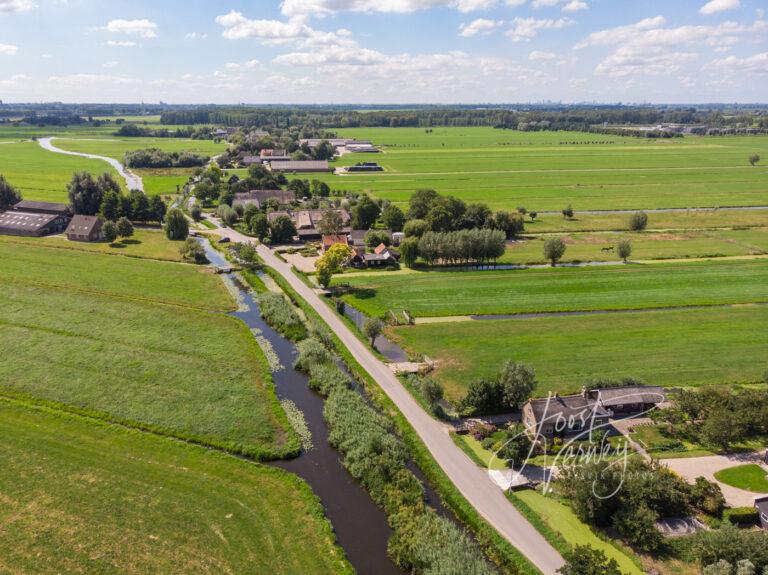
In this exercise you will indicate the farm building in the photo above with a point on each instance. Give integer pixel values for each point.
(251, 160)
(259, 197)
(85, 229)
(51, 208)
(274, 155)
(365, 167)
(333, 239)
(304, 166)
(562, 415)
(18, 223)
(307, 221)
(628, 399)
(360, 148)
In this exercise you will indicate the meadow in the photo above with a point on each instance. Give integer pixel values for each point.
(81, 496)
(645, 246)
(117, 277)
(670, 348)
(96, 333)
(545, 171)
(144, 243)
(43, 176)
(632, 286)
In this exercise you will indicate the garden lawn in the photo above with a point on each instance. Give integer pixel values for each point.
(546, 171)
(563, 520)
(80, 271)
(645, 246)
(751, 477)
(669, 348)
(80, 496)
(145, 243)
(43, 176)
(633, 286)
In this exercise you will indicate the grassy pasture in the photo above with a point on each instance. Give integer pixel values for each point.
(180, 371)
(43, 176)
(96, 273)
(670, 347)
(145, 243)
(548, 170)
(633, 286)
(645, 246)
(84, 497)
(115, 147)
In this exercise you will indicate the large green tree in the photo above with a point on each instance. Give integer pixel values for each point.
(365, 213)
(586, 560)
(176, 226)
(85, 194)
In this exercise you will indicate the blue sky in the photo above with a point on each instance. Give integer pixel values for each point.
(383, 51)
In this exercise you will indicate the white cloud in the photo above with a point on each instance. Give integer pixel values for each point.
(538, 55)
(10, 6)
(575, 6)
(249, 65)
(515, 3)
(321, 8)
(121, 43)
(8, 49)
(238, 27)
(479, 26)
(715, 6)
(648, 48)
(144, 28)
(527, 28)
(757, 64)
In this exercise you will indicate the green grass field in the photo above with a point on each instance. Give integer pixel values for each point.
(115, 147)
(548, 170)
(83, 497)
(670, 348)
(634, 286)
(130, 278)
(645, 246)
(145, 243)
(42, 175)
(751, 477)
(563, 520)
(95, 332)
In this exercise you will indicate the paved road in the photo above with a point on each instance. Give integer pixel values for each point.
(474, 483)
(132, 181)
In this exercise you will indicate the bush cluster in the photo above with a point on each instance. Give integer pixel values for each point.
(477, 246)
(423, 542)
(157, 158)
(281, 315)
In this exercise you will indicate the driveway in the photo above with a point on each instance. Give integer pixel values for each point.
(474, 483)
(692, 467)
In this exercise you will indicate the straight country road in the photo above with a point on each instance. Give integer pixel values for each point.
(474, 483)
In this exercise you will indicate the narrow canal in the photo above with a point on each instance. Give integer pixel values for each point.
(361, 527)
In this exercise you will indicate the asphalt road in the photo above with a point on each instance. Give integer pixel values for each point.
(473, 482)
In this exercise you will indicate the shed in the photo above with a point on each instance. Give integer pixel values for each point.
(31, 207)
(15, 223)
(761, 504)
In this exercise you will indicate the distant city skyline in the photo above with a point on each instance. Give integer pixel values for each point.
(384, 51)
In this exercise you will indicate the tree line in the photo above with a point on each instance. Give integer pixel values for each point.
(157, 158)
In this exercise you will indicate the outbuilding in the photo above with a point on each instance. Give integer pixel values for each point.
(761, 504)
(85, 229)
(16, 223)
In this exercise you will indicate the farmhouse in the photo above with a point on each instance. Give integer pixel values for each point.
(333, 239)
(307, 221)
(259, 197)
(304, 166)
(271, 155)
(562, 415)
(85, 229)
(17, 223)
(628, 399)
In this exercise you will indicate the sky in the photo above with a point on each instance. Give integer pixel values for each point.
(384, 51)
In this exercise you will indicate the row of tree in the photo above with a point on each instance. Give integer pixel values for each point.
(463, 247)
(157, 158)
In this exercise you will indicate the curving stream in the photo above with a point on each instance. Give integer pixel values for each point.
(132, 181)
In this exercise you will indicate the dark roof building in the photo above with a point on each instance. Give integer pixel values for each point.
(259, 197)
(16, 223)
(251, 160)
(299, 166)
(761, 504)
(85, 229)
(562, 415)
(42, 208)
(365, 167)
(628, 399)
(357, 238)
(274, 155)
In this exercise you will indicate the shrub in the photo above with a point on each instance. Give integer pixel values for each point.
(196, 213)
(415, 228)
(124, 228)
(554, 248)
(109, 231)
(281, 315)
(176, 226)
(568, 212)
(741, 515)
(731, 544)
(638, 221)
(191, 250)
